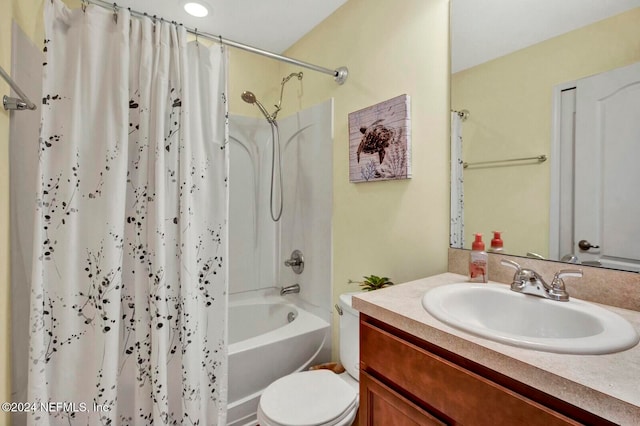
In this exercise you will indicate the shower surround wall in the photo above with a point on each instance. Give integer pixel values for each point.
(258, 247)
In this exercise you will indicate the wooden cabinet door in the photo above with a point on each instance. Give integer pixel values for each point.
(451, 391)
(381, 406)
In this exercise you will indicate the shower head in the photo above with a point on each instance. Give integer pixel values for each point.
(250, 98)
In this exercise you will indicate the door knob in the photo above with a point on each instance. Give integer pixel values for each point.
(586, 245)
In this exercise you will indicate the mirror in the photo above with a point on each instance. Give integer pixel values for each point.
(510, 64)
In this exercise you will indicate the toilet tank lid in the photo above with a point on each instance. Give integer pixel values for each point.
(345, 302)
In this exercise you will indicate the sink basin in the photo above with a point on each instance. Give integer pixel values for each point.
(495, 312)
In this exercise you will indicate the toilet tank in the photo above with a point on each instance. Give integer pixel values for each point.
(349, 335)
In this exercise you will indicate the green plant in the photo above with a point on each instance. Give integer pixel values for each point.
(372, 282)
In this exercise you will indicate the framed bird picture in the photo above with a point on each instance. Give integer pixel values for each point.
(380, 141)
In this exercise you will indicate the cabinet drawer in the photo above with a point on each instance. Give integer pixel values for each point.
(380, 405)
(446, 388)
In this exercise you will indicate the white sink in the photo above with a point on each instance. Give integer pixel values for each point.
(495, 312)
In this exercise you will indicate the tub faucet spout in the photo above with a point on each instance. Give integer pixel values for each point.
(290, 289)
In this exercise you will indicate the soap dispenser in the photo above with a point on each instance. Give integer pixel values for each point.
(497, 245)
(478, 262)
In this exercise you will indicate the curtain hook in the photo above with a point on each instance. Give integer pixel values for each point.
(115, 13)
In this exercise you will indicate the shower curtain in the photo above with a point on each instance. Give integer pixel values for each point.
(129, 287)
(457, 183)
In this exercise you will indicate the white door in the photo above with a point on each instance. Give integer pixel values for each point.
(607, 168)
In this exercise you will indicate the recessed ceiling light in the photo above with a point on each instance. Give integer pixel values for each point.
(196, 9)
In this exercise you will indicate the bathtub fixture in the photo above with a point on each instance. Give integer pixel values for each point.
(291, 316)
(318, 397)
(494, 312)
(296, 261)
(264, 346)
(250, 98)
(290, 289)
(528, 281)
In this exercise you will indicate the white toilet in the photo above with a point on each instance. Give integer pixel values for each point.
(318, 397)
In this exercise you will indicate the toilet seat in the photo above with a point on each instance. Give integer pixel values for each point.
(309, 398)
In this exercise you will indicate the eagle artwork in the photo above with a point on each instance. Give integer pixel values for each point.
(379, 141)
(376, 138)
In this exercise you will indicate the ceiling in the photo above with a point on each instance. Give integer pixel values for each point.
(482, 30)
(272, 25)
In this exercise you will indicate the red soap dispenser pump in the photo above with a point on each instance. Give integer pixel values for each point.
(497, 245)
(478, 261)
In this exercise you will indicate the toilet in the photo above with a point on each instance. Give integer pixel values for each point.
(318, 397)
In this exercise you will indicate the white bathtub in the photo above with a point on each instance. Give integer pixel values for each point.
(264, 346)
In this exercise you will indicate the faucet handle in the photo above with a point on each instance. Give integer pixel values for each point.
(567, 273)
(296, 262)
(511, 264)
(557, 290)
(519, 277)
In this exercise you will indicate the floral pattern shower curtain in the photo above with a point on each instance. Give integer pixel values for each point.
(128, 304)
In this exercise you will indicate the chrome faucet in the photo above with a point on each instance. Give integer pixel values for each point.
(290, 289)
(528, 281)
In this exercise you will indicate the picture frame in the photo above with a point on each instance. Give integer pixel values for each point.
(380, 141)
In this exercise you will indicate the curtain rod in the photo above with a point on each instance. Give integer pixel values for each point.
(10, 103)
(339, 74)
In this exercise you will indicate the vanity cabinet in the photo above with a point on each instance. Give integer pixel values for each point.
(407, 381)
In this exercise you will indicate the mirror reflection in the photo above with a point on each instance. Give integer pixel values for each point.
(551, 98)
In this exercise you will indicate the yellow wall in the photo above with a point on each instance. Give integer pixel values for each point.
(398, 229)
(254, 73)
(510, 100)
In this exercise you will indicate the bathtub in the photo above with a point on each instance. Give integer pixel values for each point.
(268, 339)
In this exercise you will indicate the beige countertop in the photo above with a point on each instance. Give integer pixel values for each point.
(606, 385)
